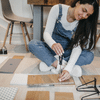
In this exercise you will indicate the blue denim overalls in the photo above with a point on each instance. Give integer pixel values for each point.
(60, 35)
(42, 51)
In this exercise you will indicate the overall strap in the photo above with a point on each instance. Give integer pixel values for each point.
(60, 12)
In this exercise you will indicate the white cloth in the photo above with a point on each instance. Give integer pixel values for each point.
(53, 15)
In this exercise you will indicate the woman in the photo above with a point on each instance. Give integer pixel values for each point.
(70, 31)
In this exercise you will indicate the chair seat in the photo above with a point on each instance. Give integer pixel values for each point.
(15, 18)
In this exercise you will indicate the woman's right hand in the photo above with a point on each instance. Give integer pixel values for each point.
(57, 48)
(65, 75)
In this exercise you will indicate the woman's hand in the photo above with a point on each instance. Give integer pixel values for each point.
(57, 48)
(64, 76)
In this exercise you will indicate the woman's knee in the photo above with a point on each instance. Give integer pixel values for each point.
(33, 44)
(90, 57)
(85, 58)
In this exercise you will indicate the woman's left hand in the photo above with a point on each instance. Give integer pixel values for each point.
(64, 76)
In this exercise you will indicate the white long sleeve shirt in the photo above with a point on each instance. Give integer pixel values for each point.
(53, 15)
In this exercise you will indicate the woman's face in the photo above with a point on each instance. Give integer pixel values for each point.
(83, 11)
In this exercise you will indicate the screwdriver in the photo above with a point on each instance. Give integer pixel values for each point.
(60, 63)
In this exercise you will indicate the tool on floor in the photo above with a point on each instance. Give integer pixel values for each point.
(92, 99)
(3, 50)
(82, 88)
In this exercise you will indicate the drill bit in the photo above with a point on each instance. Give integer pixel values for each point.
(60, 62)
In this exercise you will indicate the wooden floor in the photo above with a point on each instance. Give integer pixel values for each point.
(29, 65)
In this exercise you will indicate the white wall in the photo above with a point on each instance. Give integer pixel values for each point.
(21, 8)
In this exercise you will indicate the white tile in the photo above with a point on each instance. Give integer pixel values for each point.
(19, 79)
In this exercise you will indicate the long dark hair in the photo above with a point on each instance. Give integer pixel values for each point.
(87, 28)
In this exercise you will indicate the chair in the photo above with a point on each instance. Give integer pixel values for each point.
(10, 16)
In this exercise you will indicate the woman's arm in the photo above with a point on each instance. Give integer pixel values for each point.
(53, 15)
(76, 51)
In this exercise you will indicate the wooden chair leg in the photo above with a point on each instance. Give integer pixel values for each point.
(24, 37)
(98, 38)
(11, 32)
(27, 32)
(6, 34)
